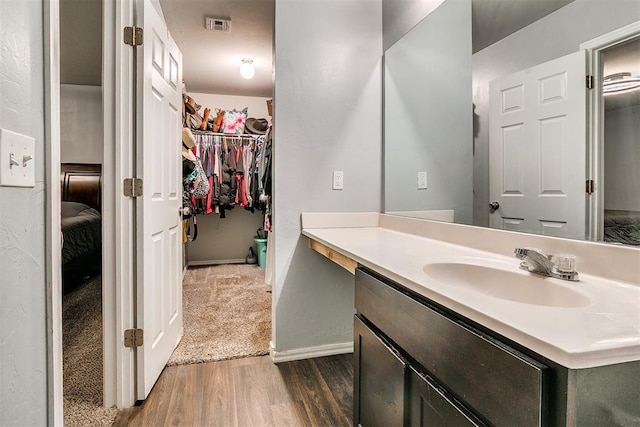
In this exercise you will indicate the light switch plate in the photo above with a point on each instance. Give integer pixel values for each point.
(338, 180)
(422, 180)
(17, 161)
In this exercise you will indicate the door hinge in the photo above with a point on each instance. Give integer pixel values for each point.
(133, 36)
(589, 82)
(132, 187)
(590, 186)
(133, 338)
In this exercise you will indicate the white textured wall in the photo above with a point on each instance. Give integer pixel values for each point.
(81, 128)
(23, 350)
(327, 117)
(555, 35)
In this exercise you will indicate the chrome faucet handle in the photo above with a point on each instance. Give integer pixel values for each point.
(561, 266)
(565, 263)
(564, 267)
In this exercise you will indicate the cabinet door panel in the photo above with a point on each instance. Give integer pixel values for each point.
(379, 380)
(430, 406)
(487, 375)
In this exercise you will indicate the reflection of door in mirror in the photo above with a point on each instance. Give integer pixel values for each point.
(621, 94)
(425, 136)
(537, 149)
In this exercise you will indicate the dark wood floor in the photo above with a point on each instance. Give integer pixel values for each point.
(250, 392)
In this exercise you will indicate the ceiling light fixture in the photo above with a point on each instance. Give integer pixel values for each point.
(247, 70)
(618, 83)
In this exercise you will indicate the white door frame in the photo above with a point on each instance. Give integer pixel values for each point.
(118, 265)
(595, 123)
(118, 214)
(53, 246)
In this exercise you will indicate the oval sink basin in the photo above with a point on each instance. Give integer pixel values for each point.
(518, 286)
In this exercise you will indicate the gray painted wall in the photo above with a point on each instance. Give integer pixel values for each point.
(621, 159)
(327, 109)
(23, 333)
(81, 42)
(428, 115)
(555, 35)
(225, 239)
(81, 128)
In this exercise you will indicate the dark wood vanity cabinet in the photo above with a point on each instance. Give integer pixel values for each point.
(392, 392)
(417, 366)
(383, 372)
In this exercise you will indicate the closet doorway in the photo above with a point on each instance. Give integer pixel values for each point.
(226, 290)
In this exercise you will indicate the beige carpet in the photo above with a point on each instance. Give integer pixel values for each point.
(82, 357)
(227, 314)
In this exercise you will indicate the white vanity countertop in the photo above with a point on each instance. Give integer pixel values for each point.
(604, 331)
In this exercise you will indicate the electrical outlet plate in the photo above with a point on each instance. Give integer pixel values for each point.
(422, 180)
(17, 154)
(338, 180)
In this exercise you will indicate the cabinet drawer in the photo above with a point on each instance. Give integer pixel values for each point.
(502, 385)
(431, 406)
(379, 380)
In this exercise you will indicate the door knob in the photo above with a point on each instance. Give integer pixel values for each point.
(494, 206)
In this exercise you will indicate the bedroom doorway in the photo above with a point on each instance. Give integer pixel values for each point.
(81, 165)
(614, 105)
(621, 133)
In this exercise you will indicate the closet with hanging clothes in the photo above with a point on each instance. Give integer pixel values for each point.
(236, 169)
(229, 186)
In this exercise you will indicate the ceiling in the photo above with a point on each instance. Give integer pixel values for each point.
(212, 59)
(620, 59)
(493, 20)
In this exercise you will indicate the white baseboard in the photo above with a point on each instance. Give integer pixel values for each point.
(310, 352)
(215, 262)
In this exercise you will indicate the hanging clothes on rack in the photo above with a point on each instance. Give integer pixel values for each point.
(264, 179)
(231, 164)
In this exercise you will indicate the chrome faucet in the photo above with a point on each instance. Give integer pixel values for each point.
(558, 266)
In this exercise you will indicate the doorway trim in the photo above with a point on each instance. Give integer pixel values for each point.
(595, 120)
(118, 266)
(117, 228)
(53, 246)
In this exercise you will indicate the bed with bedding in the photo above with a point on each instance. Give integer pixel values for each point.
(622, 227)
(81, 222)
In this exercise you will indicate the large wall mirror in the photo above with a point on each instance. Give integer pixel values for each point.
(487, 117)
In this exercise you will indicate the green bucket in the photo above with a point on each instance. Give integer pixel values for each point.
(261, 246)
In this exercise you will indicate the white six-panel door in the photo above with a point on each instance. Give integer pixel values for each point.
(159, 234)
(537, 146)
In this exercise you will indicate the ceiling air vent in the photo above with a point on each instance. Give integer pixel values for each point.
(218, 24)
